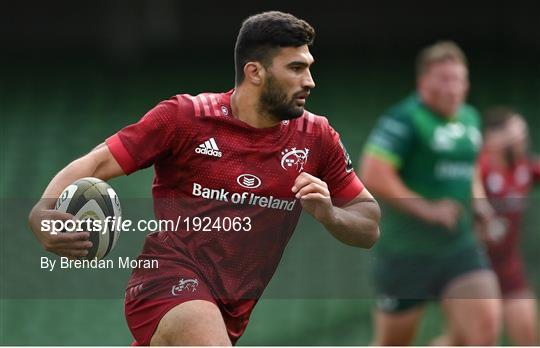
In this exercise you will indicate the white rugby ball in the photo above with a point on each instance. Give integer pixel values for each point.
(94, 199)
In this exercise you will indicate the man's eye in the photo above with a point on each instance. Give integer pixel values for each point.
(296, 68)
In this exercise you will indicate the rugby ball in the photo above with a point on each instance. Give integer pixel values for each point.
(95, 200)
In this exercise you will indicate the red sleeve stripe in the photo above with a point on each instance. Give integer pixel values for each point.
(204, 103)
(121, 155)
(310, 121)
(300, 124)
(214, 105)
(349, 192)
(196, 106)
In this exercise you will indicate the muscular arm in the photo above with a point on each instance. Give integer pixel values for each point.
(356, 223)
(99, 163)
(383, 180)
(483, 212)
(480, 204)
(478, 186)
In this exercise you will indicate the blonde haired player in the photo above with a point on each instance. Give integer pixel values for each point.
(420, 162)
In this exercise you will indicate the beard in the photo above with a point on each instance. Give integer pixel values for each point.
(275, 102)
(510, 156)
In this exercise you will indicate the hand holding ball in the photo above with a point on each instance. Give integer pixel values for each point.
(93, 200)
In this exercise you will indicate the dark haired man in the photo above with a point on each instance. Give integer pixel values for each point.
(253, 153)
(508, 172)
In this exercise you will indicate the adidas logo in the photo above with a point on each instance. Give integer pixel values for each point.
(209, 148)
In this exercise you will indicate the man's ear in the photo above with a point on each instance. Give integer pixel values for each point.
(254, 72)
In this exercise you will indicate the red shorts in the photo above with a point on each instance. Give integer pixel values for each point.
(147, 302)
(510, 273)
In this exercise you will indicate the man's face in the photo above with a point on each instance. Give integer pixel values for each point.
(512, 139)
(518, 132)
(287, 83)
(443, 86)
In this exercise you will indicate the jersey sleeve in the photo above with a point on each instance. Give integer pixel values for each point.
(338, 172)
(391, 139)
(141, 144)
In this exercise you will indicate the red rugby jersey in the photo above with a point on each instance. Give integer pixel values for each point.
(209, 164)
(507, 189)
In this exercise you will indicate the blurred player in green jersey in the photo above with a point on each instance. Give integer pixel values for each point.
(420, 162)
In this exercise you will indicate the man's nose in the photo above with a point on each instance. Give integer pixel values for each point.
(308, 81)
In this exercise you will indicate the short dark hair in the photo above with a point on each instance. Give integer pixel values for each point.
(496, 117)
(262, 34)
(440, 51)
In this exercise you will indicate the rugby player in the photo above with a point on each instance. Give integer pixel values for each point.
(420, 163)
(508, 173)
(253, 152)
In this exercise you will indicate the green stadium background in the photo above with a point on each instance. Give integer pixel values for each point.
(72, 77)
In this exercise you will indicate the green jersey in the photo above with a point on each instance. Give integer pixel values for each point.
(435, 157)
